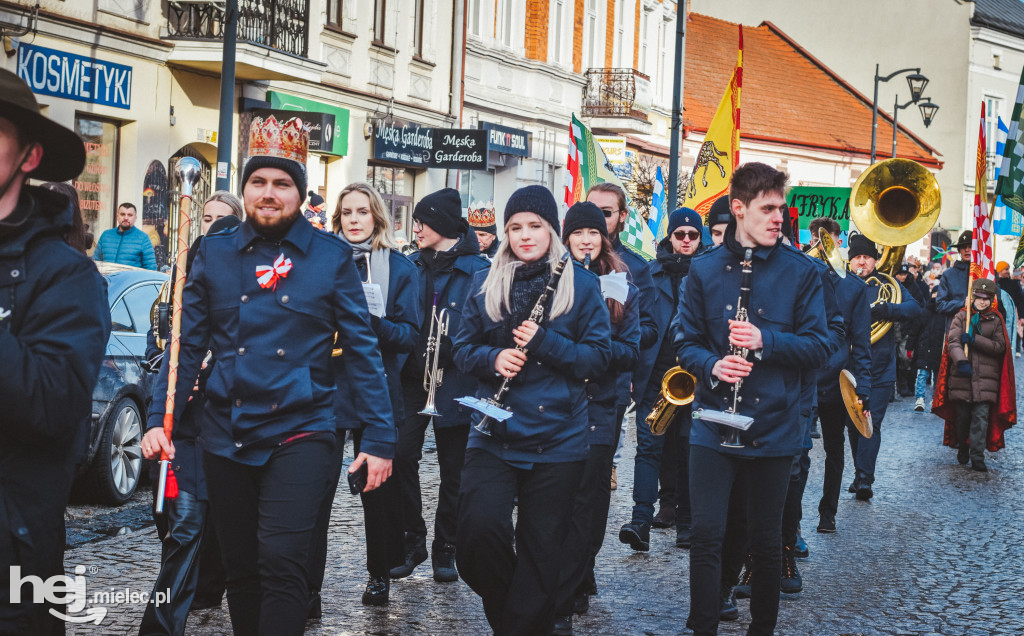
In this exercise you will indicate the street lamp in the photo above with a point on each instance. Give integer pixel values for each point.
(915, 80)
(928, 110)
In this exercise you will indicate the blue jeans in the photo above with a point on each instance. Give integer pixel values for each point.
(921, 382)
(865, 450)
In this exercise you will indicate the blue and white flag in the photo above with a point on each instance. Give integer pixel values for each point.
(657, 204)
(1006, 221)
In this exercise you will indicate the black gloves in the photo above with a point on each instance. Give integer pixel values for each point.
(865, 403)
(963, 369)
(966, 338)
(880, 312)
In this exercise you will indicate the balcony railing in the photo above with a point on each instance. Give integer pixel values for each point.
(616, 92)
(277, 24)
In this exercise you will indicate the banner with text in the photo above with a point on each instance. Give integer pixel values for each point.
(815, 202)
(83, 79)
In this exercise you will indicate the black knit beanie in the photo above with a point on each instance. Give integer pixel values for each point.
(720, 211)
(861, 245)
(442, 211)
(536, 199)
(684, 216)
(295, 170)
(584, 215)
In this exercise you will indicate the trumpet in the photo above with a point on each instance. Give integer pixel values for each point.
(432, 373)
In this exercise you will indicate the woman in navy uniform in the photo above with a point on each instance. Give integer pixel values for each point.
(537, 455)
(361, 220)
(449, 256)
(267, 298)
(585, 234)
(668, 272)
(787, 337)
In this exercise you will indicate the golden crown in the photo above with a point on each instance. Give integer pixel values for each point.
(268, 138)
(481, 217)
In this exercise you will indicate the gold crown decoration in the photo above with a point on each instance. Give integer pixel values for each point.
(268, 138)
(481, 217)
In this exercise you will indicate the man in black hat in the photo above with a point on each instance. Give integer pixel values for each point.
(718, 218)
(863, 256)
(952, 292)
(449, 256)
(54, 325)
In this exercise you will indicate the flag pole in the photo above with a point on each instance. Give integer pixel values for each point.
(677, 103)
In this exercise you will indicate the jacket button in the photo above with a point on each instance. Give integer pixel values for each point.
(248, 249)
(241, 351)
(540, 450)
(284, 299)
(453, 304)
(728, 268)
(760, 312)
(541, 408)
(15, 273)
(757, 401)
(728, 307)
(280, 353)
(238, 403)
(755, 443)
(238, 444)
(245, 298)
(273, 407)
(178, 468)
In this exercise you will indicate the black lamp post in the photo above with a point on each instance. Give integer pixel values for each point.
(928, 110)
(917, 83)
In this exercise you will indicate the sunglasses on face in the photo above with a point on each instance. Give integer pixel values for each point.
(609, 213)
(680, 235)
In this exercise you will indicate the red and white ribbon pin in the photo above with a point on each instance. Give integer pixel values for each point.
(268, 276)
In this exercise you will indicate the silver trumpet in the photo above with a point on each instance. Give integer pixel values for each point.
(432, 373)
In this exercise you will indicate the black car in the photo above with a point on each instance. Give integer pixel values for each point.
(110, 471)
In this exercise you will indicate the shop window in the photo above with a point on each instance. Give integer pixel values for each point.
(477, 190)
(97, 185)
(395, 186)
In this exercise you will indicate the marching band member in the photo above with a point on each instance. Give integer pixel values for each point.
(536, 456)
(267, 298)
(782, 325)
(586, 235)
(447, 260)
(668, 272)
(362, 220)
(482, 221)
(863, 257)
(718, 219)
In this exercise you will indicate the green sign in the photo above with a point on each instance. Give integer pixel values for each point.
(335, 141)
(812, 203)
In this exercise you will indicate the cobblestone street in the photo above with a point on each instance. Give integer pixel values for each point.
(937, 551)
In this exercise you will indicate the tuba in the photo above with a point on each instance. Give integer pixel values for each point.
(894, 202)
(677, 389)
(827, 251)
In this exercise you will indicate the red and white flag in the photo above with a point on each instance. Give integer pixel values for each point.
(982, 262)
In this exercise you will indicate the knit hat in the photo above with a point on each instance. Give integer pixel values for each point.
(1001, 265)
(965, 240)
(442, 211)
(904, 269)
(584, 215)
(481, 219)
(861, 245)
(281, 146)
(315, 200)
(536, 199)
(684, 216)
(984, 287)
(720, 211)
(295, 170)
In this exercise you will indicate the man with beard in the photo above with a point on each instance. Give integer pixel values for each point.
(267, 299)
(54, 325)
(449, 256)
(126, 244)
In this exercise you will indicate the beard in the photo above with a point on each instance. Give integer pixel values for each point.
(274, 227)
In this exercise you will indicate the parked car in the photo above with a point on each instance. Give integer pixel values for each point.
(113, 464)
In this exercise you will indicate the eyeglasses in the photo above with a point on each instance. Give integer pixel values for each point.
(609, 213)
(680, 235)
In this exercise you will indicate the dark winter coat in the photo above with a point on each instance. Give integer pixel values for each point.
(855, 355)
(986, 358)
(952, 293)
(548, 398)
(640, 275)
(452, 287)
(54, 325)
(883, 352)
(926, 341)
(396, 333)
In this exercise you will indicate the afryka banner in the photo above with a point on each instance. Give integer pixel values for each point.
(811, 203)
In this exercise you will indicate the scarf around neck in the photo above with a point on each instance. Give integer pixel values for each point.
(379, 263)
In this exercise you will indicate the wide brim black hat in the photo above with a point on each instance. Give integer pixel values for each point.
(63, 150)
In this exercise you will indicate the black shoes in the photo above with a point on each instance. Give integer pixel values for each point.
(827, 523)
(563, 626)
(377, 591)
(315, 609)
(864, 492)
(979, 465)
(415, 553)
(581, 603)
(963, 454)
(444, 564)
(666, 517)
(853, 487)
(637, 535)
(683, 537)
(800, 550)
(728, 610)
(791, 580)
(743, 589)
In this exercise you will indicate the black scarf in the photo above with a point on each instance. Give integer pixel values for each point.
(677, 266)
(528, 283)
(434, 262)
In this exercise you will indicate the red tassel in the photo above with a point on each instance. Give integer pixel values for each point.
(171, 487)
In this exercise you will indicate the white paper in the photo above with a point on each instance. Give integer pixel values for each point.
(615, 286)
(374, 299)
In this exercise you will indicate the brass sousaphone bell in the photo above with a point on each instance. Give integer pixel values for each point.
(827, 250)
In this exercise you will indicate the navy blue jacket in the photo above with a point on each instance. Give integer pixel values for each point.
(610, 390)
(787, 304)
(650, 335)
(453, 288)
(883, 352)
(952, 293)
(273, 376)
(855, 354)
(548, 398)
(396, 336)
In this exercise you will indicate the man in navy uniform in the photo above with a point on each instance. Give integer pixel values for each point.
(267, 298)
(786, 337)
(863, 257)
(952, 294)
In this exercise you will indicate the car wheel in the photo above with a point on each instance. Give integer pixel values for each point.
(114, 473)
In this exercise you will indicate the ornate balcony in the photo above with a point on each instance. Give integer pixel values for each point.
(273, 37)
(617, 99)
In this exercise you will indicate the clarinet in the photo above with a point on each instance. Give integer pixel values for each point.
(486, 425)
(731, 437)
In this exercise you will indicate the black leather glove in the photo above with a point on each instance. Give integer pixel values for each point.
(880, 312)
(865, 404)
(963, 369)
(966, 338)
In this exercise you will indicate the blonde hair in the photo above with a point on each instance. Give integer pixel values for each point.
(381, 237)
(497, 288)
